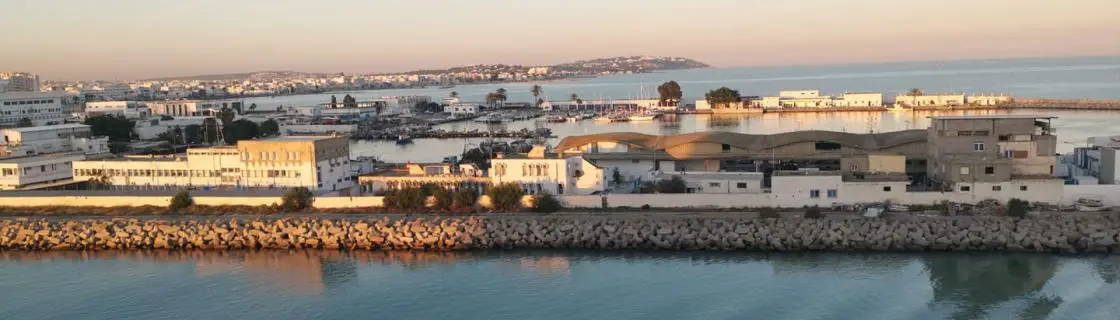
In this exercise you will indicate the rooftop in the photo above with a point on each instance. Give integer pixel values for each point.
(41, 157)
(32, 95)
(296, 138)
(992, 117)
(63, 126)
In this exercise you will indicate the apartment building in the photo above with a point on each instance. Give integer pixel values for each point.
(192, 108)
(19, 82)
(41, 108)
(39, 156)
(315, 162)
(969, 152)
(540, 171)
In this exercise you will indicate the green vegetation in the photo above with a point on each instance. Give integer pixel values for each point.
(407, 199)
(506, 196)
(672, 185)
(444, 199)
(464, 199)
(670, 93)
(297, 199)
(546, 203)
(813, 212)
(536, 91)
(1016, 208)
(269, 128)
(723, 97)
(349, 102)
(181, 201)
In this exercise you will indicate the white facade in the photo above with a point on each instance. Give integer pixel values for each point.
(717, 182)
(23, 171)
(461, 109)
(558, 176)
(52, 139)
(128, 109)
(19, 82)
(987, 100)
(799, 94)
(930, 100)
(317, 163)
(862, 99)
(42, 108)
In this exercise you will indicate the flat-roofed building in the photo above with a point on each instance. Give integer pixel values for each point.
(68, 137)
(41, 108)
(314, 162)
(935, 100)
(545, 172)
(965, 150)
(128, 109)
(19, 172)
(444, 175)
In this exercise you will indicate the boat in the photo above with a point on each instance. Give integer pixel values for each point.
(1090, 204)
(574, 118)
(403, 139)
(641, 117)
(603, 118)
(557, 119)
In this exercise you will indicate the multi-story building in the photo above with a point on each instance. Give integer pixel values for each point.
(128, 109)
(40, 156)
(19, 82)
(314, 162)
(860, 99)
(40, 108)
(969, 152)
(192, 108)
(543, 172)
(445, 175)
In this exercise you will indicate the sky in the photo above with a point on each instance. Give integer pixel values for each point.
(131, 39)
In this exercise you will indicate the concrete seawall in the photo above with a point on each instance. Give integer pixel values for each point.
(1082, 233)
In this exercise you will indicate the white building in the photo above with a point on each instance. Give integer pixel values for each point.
(803, 99)
(940, 100)
(317, 163)
(41, 108)
(27, 171)
(860, 99)
(19, 82)
(462, 109)
(716, 182)
(128, 109)
(70, 137)
(539, 172)
(185, 108)
(986, 100)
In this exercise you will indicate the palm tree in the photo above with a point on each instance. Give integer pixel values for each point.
(915, 92)
(574, 97)
(501, 95)
(536, 91)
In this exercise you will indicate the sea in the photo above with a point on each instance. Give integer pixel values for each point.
(612, 284)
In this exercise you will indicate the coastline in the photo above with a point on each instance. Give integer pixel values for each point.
(1055, 233)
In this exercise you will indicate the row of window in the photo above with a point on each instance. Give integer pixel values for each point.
(994, 188)
(831, 193)
(23, 102)
(184, 173)
(740, 185)
(31, 169)
(30, 111)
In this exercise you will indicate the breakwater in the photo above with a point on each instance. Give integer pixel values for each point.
(1078, 233)
(1067, 104)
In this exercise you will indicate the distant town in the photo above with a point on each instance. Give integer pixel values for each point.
(267, 83)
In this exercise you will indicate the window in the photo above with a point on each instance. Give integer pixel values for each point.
(978, 147)
(725, 148)
(886, 188)
(741, 185)
(966, 188)
(989, 170)
(713, 185)
(997, 188)
(1004, 137)
(814, 193)
(1022, 188)
(964, 170)
(832, 193)
(825, 145)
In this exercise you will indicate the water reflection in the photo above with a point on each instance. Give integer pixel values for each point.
(977, 283)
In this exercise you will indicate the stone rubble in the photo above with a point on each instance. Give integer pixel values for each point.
(1074, 233)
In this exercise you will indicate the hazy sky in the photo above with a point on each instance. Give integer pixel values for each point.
(125, 39)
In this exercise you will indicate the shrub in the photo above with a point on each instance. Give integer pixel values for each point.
(444, 199)
(181, 201)
(464, 198)
(813, 212)
(546, 203)
(1016, 208)
(672, 185)
(645, 207)
(768, 213)
(406, 199)
(506, 196)
(297, 199)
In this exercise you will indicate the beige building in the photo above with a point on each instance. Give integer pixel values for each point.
(965, 150)
(940, 100)
(860, 99)
(315, 162)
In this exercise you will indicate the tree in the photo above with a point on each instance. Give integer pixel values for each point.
(269, 128)
(574, 97)
(297, 199)
(723, 97)
(180, 201)
(240, 130)
(454, 94)
(492, 99)
(546, 203)
(501, 94)
(670, 93)
(334, 101)
(226, 115)
(915, 92)
(672, 185)
(252, 107)
(24, 123)
(117, 128)
(616, 176)
(506, 196)
(193, 134)
(536, 91)
(349, 102)
(465, 198)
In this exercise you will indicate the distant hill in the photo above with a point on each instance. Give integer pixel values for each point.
(241, 76)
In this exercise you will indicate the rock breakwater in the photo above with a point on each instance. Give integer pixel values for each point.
(1083, 233)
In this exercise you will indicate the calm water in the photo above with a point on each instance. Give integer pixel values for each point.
(1090, 78)
(556, 285)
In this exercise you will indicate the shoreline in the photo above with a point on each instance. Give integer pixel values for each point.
(722, 232)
